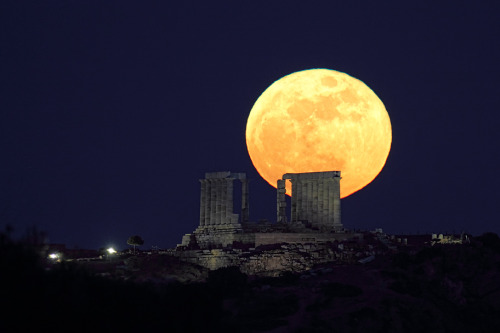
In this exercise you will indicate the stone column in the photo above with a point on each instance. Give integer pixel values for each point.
(330, 202)
(213, 201)
(298, 195)
(336, 202)
(325, 202)
(309, 208)
(293, 215)
(203, 201)
(314, 207)
(320, 201)
(229, 201)
(245, 210)
(223, 200)
(303, 199)
(208, 203)
(281, 201)
(219, 202)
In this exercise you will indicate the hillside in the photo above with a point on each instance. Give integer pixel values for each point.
(441, 288)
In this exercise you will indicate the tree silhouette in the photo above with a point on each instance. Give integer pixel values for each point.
(135, 241)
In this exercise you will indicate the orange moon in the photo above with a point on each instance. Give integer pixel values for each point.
(319, 120)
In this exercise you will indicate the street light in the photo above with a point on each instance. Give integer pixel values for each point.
(56, 257)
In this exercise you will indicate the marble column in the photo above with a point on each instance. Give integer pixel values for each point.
(298, 195)
(208, 202)
(223, 200)
(303, 200)
(245, 209)
(326, 212)
(330, 202)
(281, 201)
(336, 203)
(203, 201)
(213, 201)
(314, 211)
(219, 202)
(229, 201)
(293, 215)
(309, 208)
(320, 218)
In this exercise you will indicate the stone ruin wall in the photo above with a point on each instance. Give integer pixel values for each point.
(281, 258)
(225, 239)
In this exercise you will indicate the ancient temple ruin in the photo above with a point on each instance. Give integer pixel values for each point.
(216, 200)
(315, 200)
(219, 225)
(315, 213)
(306, 234)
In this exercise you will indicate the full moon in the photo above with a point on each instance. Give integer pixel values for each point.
(319, 120)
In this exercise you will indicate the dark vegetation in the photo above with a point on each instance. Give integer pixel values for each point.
(135, 240)
(447, 288)
(69, 298)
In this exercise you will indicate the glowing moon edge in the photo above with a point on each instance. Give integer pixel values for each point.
(319, 120)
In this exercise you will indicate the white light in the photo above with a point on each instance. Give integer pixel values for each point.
(54, 256)
(111, 250)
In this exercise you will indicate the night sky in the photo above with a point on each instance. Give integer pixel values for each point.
(111, 111)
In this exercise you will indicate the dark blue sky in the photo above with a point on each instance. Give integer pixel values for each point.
(110, 111)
